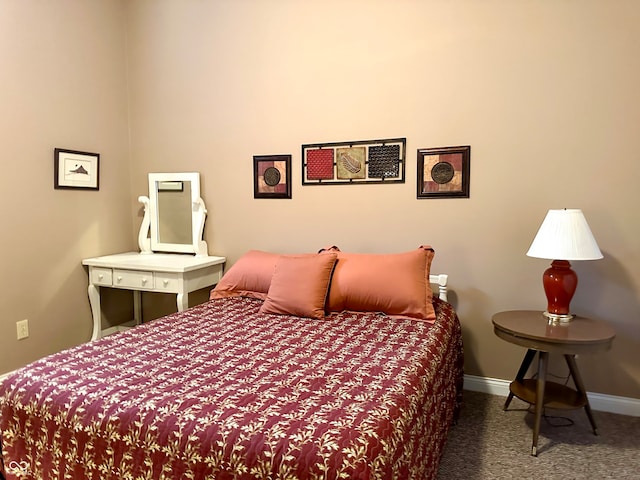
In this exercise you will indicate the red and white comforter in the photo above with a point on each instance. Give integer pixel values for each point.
(220, 391)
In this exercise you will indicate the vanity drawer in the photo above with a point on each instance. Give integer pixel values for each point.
(133, 279)
(168, 282)
(101, 276)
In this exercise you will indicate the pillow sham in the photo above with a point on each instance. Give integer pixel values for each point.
(300, 285)
(250, 276)
(396, 284)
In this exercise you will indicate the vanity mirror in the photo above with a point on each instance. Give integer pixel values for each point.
(174, 215)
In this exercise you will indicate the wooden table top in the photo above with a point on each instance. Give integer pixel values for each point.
(531, 329)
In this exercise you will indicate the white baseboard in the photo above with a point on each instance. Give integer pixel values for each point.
(598, 401)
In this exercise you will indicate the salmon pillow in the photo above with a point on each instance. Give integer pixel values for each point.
(396, 284)
(250, 276)
(300, 285)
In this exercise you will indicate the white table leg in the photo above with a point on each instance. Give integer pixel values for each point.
(94, 300)
(182, 299)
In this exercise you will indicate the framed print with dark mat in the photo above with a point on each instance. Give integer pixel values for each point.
(444, 172)
(272, 176)
(347, 163)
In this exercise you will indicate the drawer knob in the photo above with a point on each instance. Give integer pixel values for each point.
(100, 277)
(165, 282)
(119, 279)
(144, 281)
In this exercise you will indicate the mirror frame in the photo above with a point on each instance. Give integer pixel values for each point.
(150, 222)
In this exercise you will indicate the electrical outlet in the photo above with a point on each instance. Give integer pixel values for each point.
(22, 328)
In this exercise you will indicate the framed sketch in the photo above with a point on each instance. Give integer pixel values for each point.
(348, 163)
(444, 172)
(272, 176)
(74, 169)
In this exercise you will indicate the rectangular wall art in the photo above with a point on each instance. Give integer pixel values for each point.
(272, 176)
(74, 169)
(345, 163)
(444, 172)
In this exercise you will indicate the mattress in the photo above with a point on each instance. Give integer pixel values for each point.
(223, 391)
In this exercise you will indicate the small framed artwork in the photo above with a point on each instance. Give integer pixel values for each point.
(272, 176)
(74, 169)
(444, 172)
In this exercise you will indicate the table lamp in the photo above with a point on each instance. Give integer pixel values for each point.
(563, 236)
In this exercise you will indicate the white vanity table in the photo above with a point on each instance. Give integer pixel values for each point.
(158, 272)
(173, 257)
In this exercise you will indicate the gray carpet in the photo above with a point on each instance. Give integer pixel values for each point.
(488, 443)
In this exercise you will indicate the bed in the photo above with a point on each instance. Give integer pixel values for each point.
(256, 383)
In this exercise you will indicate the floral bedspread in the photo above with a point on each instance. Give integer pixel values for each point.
(220, 391)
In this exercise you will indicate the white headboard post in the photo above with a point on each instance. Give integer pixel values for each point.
(441, 281)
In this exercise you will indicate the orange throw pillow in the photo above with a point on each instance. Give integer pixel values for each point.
(299, 285)
(396, 284)
(250, 276)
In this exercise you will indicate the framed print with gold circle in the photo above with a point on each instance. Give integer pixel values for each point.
(444, 172)
(272, 176)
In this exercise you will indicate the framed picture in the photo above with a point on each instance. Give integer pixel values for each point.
(74, 169)
(444, 172)
(272, 176)
(347, 163)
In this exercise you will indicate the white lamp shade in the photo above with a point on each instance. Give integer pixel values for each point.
(565, 235)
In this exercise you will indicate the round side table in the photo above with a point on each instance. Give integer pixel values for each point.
(532, 330)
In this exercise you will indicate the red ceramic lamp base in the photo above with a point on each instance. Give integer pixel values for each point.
(560, 284)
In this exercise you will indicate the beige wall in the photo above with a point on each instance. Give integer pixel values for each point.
(62, 84)
(545, 93)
